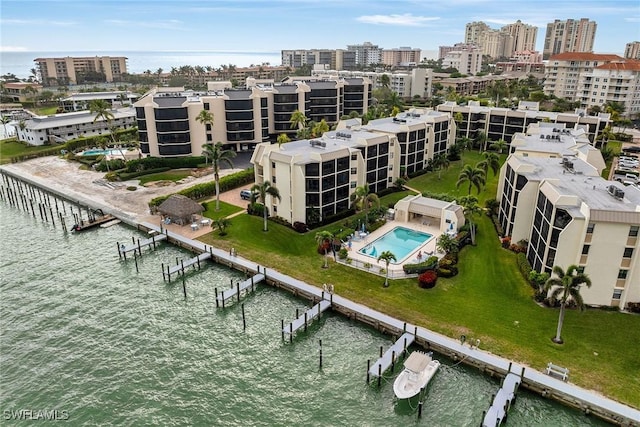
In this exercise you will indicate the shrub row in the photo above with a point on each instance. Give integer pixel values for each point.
(147, 163)
(429, 264)
(523, 265)
(438, 196)
(125, 176)
(208, 189)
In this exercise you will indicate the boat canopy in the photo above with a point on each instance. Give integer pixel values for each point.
(417, 361)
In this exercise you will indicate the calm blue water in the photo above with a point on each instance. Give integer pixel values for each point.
(400, 241)
(21, 63)
(87, 335)
(100, 152)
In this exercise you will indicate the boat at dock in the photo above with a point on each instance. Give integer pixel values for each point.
(419, 368)
(93, 222)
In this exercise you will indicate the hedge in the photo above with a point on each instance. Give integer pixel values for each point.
(523, 265)
(148, 163)
(200, 191)
(429, 264)
(125, 176)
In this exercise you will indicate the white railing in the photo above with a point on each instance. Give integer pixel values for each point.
(378, 269)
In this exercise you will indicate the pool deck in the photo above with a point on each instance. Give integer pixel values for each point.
(395, 270)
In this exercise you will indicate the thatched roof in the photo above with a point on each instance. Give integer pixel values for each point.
(180, 206)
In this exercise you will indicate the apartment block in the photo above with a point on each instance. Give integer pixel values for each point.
(167, 124)
(473, 30)
(612, 82)
(569, 36)
(503, 123)
(472, 85)
(317, 177)
(467, 59)
(366, 53)
(401, 57)
(21, 91)
(60, 128)
(77, 70)
(496, 44)
(557, 201)
(632, 50)
(563, 72)
(524, 36)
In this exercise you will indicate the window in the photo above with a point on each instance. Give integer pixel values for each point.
(273, 164)
(633, 231)
(353, 184)
(622, 274)
(580, 269)
(628, 253)
(590, 228)
(617, 294)
(585, 249)
(354, 171)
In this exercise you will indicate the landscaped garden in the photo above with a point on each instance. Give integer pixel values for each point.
(488, 300)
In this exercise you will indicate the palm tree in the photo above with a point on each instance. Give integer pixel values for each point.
(491, 160)
(446, 243)
(387, 257)
(362, 200)
(385, 80)
(221, 224)
(499, 145)
(283, 138)
(263, 190)
(474, 175)
(323, 237)
(298, 120)
(320, 128)
(567, 287)
(218, 155)
(471, 209)
(481, 139)
(206, 118)
(102, 111)
(441, 161)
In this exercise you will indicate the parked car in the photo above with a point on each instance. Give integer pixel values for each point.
(245, 194)
(632, 149)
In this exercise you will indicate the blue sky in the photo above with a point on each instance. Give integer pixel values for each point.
(269, 26)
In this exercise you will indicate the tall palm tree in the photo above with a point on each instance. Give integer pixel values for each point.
(491, 160)
(499, 145)
(481, 139)
(218, 155)
(387, 257)
(283, 138)
(320, 128)
(567, 287)
(441, 161)
(205, 117)
(298, 120)
(323, 237)
(385, 81)
(362, 200)
(473, 175)
(471, 209)
(102, 111)
(263, 190)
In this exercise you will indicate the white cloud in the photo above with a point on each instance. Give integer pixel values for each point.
(406, 20)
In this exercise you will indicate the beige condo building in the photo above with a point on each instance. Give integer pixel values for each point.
(569, 36)
(550, 194)
(563, 71)
(632, 50)
(74, 70)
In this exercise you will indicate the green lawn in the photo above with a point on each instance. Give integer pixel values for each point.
(172, 175)
(488, 300)
(12, 147)
(225, 209)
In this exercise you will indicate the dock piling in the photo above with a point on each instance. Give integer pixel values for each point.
(282, 328)
(368, 367)
(320, 342)
(238, 290)
(244, 321)
(135, 259)
(216, 291)
(164, 277)
(393, 360)
(184, 288)
(305, 321)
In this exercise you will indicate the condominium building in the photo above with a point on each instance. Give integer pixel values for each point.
(525, 61)
(401, 57)
(569, 36)
(473, 30)
(524, 36)
(571, 216)
(496, 43)
(317, 177)
(78, 70)
(473, 85)
(20, 91)
(60, 128)
(503, 123)
(467, 59)
(632, 50)
(563, 71)
(366, 53)
(167, 124)
(612, 82)
(82, 101)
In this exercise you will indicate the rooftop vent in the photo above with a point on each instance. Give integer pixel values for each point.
(541, 136)
(343, 135)
(397, 120)
(615, 192)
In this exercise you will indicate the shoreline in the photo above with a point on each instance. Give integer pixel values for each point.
(84, 190)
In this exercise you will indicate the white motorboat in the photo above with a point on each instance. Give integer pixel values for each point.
(419, 368)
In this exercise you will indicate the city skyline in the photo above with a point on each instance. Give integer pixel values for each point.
(267, 26)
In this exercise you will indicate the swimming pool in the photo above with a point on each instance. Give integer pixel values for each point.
(102, 152)
(400, 241)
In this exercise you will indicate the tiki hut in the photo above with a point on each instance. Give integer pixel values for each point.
(180, 209)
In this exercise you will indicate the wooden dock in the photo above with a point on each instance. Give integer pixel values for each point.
(236, 290)
(137, 246)
(305, 318)
(502, 401)
(180, 266)
(95, 222)
(389, 358)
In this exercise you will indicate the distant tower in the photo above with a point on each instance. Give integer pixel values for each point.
(632, 50)
(569, 36)
(524, 36)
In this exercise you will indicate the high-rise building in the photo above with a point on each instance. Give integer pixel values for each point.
(569, 36)
(496, 44)
(616, 81)
(632, 50)
(78, 70)
(401, 57)
(524, 36)
(473, 30)
(467, 60)
(366, 53)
